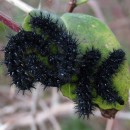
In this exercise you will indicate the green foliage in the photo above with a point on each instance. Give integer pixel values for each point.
(91, 32)
(68, 90)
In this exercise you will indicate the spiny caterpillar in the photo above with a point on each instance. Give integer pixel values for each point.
(48, 57)
(103, 77)
(84, 98)
(46, 51)
(99, 77)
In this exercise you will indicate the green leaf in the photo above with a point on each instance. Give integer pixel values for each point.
(91, 32)
(67, 90)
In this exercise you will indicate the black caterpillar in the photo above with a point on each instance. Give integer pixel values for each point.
(50, 57)
(84, 101)
(91, 76)
(103, 77)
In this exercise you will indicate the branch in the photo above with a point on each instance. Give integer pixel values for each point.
(21, 5)
(8, 22)
(96, 8)
(109, 124)
(72, 5)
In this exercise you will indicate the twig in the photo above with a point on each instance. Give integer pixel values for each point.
(109, 124)
(10, 109)
(40, 4)
(55, 123)
(52, 118)
(35, 96)
(54, 102)
(95, 7)
(8, 22)
(55, 97)
(66, 109)
(72, 5)
(12, 92)
(21, 5)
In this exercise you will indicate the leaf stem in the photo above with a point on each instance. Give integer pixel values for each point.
(74, 3)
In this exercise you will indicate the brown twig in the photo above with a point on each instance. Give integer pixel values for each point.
(8, 22)
(71, 6)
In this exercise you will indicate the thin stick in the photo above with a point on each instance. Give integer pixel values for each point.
(109, 124)
(71, 6)
(35, 96)
(95, 7)
(54, 102)
(21, 5)
(8, 22)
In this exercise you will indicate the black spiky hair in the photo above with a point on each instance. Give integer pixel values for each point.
(47, 57)
(104, 75)
(84, 97)
(48, 53)
(95, 75)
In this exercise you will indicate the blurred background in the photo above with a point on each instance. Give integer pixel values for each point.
(49, 110)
